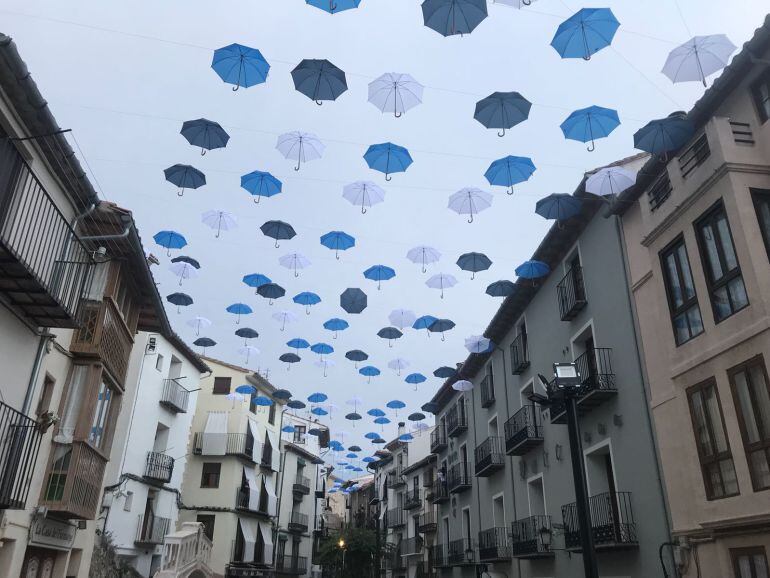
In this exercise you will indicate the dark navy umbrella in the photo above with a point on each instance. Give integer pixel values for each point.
(450, 17)
(282, 394)
(658, 137)
(502, 110)
(256, 280)
(247, 333)
(205, 133)
(334, 6)
(296, 404)
(379, 273)
(240, 65)
(319, 80)
(588, 124)
(500, 288)
(559, 206)
(440, 326)
(261, 184)
(388, 158)
(379, 441)
(585, 33)
(355, 449)
(353, 300)
(356, 355)
(204, 342)
(430, 407)
(278, 230)
(184, 177)
(271, 291)
(188, 260)
(474, 262)
(416, 416)
(290, 358)
(170, 240)
(510, 170)
(532, 269)
(337, 241)
(390, 333)
(445, 372)
(180, 300)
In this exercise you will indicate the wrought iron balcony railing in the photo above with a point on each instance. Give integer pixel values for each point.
(489, 456)
(19, 445)
(494, 545)
(439, 492)
(426, 524)
(411, 546)
(298, 522)
(236, 444)
(519, 354)
(398, 477)
(487, 387)
(412, 499)
(174, 396)
(612, 522)
(457, 419)
(527, 537)
(459, 477)
(301, 485)
(438, 556)
(523, 431)
(159, 467)
(461, 553)
(395, 518)
(598, 382)
(242, 502)
(151, 529)
(288, 564)
(572, 294)
(438, 441)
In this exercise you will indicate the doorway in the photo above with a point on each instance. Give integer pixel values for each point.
(38, 563)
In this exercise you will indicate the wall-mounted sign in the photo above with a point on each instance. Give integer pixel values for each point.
(50, 533)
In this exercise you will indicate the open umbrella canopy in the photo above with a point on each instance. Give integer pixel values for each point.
(589, 124)
(353, 300)
(532, 269)
(180, 300)
(290, 358)
(336, 325)
(390, 333)
(298, 343)
(325, 364)
(262, 401)
(406, 437)
(296, 404)
(278, 230)
(369, 371)
(256, 280)
(381, 420)
(300, 146)
(661, 136)
(441, 281)
(319, 411)
(469, 201)
(559, 206)
(337, 241)
(502, 110)
(246, 389)
(271, 291)
(509, 171)
(288, 429)
(440, 326)
(379, 273)
(699, 57)
(478, 344)
(170, 240)
(240, 65)
(375, 412)
(372, 435)
(379, 441)
(282, 394)
(184, 177)
(388, 158)
(354, 448)
(424, 322)
(363, 194)
(351, 456)
(184, 268)
(353, 416)
(204, 133)
(424, 255)
(415, 378)
(315, 431)
(395, 93)
(248, 351)
(317, 397)
(462, 385)
(417, 416)
(334, 6)
(500, 288)
(307, 299)
(239, 309)
(401, 318)
(395, 404)
(445, 372)
(246, 333)
(450, 17)
(585, 33)
(474, 262)
(322, 348)
(610, 181)
(261, 184)
(356, 355)
(319, 80)
(294, 261)
(398, 364)
(219, 220)
(199, 323)
(284, 317)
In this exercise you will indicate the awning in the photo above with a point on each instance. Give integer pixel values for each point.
(249, 529)
(251, 479)
(276, 453)
(215, 434)
(272, 499)
(256, 453)
(267, 538)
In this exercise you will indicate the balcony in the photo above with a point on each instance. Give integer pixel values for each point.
(411, 546)
(424, 569)
(412, 499)
(571, 293)
(19, 446)
(174, 397)
(523, 431)
(438, 556)
(237, 570)
(489, 456)
(527, 538)
(395, 518)
(438, 440)
(393, 560)
(459, 477)
(457, 419)
(439, 492)
(426, 524)
(301, 486)
(185, 551)
(519, 354)
(397, 480)
(237, 444)
(694, 155)
(242, 502)
(151, 530)
(293, 565)
(612, 522)
(487, 388)
(73, 484)
(104, 334)
(494, 545)
(159, 467)
(298, 522)
(598, 385)
(461, 553)
(45, 270)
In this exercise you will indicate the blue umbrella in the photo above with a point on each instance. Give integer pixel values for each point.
(239, 309)
(322, 349)
(314, 431)
(375, 412)
(290, 358)
(424, 322)
(417, 416)
(532, 269)
(502, 110)
(387, 158)
(658, 137)
(296, 404)
(337, 241)
(298, 343)
(184, 177)
(430, 407)
(180, 300)
(474, 262)
(336, 324)
(282, 394)
(407, 437)
(288, 429)
(261, 184)
(390, 333)
(353, 300)
(500, 288)
(369, 371)
(262, 401)
(278, 230)
(317, 397)
(351, 456)
(381, 421)
(440, 326)
(450, 17)
(559, 206)
(396, 404)
(256, 280)
(334, 6)
(246, 389)
(204, 133)
(356, 355)
(319, 411)
(319, 80)
(379, 273)
(240, 65)
(170, 240)
(247, 333)
(369, 459)
(510, 170)
(445, 372)
(307, 299)
(588, 124)
(372, 435)
(585, 33)
(204, 342)
(415, 378)
(271, 291)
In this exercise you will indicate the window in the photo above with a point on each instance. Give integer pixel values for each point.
(752, 398)
(123, 299)
(222, 385)
(760, 91)
(159, 362)
(682, 299)
(723, 273)
(299, 434)
(44, 403)
(100, 423)
(749, 562)
(761, 198)
(271, 415)
(210, 474)
(208, 524)
(713, 448)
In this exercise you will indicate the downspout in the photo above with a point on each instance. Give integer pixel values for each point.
(122, 235)
(280, 488)
(33, 377)
(478, 493)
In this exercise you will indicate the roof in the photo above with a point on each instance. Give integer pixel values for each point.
(303, 452)
(430, 458)
(216, 361)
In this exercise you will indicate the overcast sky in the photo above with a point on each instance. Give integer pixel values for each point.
(124, 76)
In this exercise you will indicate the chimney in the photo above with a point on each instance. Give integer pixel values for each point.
(401, 428)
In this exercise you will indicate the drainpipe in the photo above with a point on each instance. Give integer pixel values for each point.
(478, 493)
(122, 235)
(42, 346)
(280, 487)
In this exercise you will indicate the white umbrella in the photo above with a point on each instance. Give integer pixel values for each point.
(698, 58)
(395, 92)
(462, 385)
(300, 146)
(477, 344)
(219, 220)
(363, 193)
(199, 323)
(402, 318)
(398, 364)
(610, 181)
(284, 317)
(294, 261)
(518, 4)
(233, 396)
(355, 401)
(470, 201)
(424, 255)
(325, 363)
(183, 270)
(441, 281)
(248, 351)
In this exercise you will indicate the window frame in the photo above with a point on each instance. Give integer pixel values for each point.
(759, 196)
(674, 311)
(300, 431)
(208, 529)
(763, 78)
(205, 476)
(220, 391)
(737, 553)
(271, 414)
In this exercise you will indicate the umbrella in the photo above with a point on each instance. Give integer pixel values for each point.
(278, 230)
(450, 17)
(424, 322)
(296, 404)
(185, 259)
(407, 437)
(314, 431)
(356, 355)
(288, 429)
(184, 268)
(199, 323)
(300, 146)
(317, 397)
(462, 385)
(387, 158)
(664, 135)
(353, 300)
(246, 389)
(325, 363)
(248, 351)
(532, 269)
(271, 291)
(402, 318)
(232, 396)
(239, 309)
(333, 6)
(610, 181)
(261, 184)
(180, 300)
(417, 416)
(319, 80)
(441, 281)
(396, 404)
(469, 201)
(351, 456)
(298, 343)
(262, 401)
(337, 241)
(500, 288)
(698, 58)
(395, 92)
(440, 326)
(381, 421)
(240, 65)
(390, 333)
(585, 33)
(430, 407)
(336, 325)
(184, 177)
(369, 460)
(398, 364)
(364, 193)
(559, 206)
(444, 372)
(369, 371)
(474, 262)
(372, 435)
(294, 261)
(319, 411)
(424, 255)
(354, 449)
(518, 4)
(415, 379)
(502, 110)
(379, 273)
(204, 133)
(375, 412)
(290, 358)
(170, 240)
(420, 427)
(282, 394)
(353, 416)
(322, 349)
(379, 440)
(307, 299)
(204, 342)
(256, 280)
(510, 170)
(588, 124)
(246, 333)
(478, 344)
(219, 220)
(284, 317)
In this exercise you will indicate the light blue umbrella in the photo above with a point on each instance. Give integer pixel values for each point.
(307, 299)
(322, 349)
(379, 273)
(317, 397)
(239, 309)
(450, 17)
(407, 437)
(351, 456)
(240, 65)
(334, 6)
(205, 133)
(184, 177)
(288, 429)
(415, 379)
(336, 324)
(588, 124)
(246, 389)
(532, 269)
(338, 241)
(395, 404)
(585, 33)
(261, 184)
(559, 206)
(388, 158)
(661, 136)
(372, 435)
(298, 343)
(170, 240)
(256, 280)
(510, 170)
(382, 421)
(424, 322)
(502, 110)
(369, 371)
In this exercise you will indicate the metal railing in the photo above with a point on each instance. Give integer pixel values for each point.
(439, 492)
(395, 518)
(459, 477)
(571, 292)
(494, 544)
(174, 396)
(242, 498)
(159, 467)
(527, 537)
(659, 191)
(301, 485)
(427, 522)
(438, 555)
(461, 552)
(487, 387)
(595, 367)
(519, 354)
(412, 499)
(398, 477)
(523, 430)
(298, 522)
(236, 444)
(742, 132)
(694, 155)
(457, 419)
(290, 564)
(151, 529)
(489, 455)
(438, 439)
(73, 482)
(19, 445)
(612, 520)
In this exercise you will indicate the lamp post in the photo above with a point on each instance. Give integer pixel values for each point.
(341, 545)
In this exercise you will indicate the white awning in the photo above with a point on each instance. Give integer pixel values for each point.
(272, 499)
(215, 434)
(267, 538)
(276, 454)
(254, 488)
(249, 529)
(256, 453)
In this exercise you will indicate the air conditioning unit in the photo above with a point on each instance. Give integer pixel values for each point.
(152, 344)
